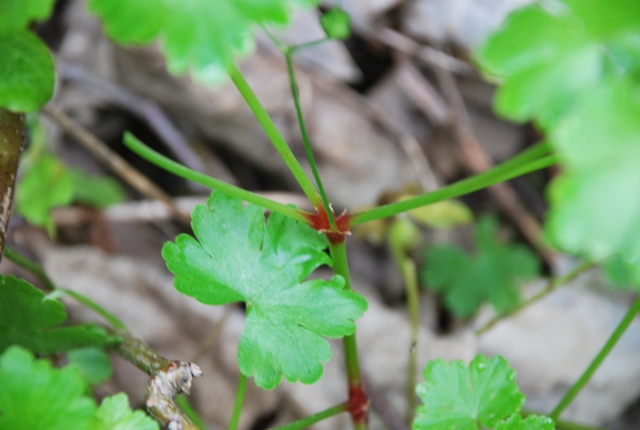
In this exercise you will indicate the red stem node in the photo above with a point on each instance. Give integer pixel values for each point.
(320, 221)
(358, 404)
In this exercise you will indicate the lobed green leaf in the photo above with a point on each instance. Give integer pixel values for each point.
(93, 363)
(492, 274)
(457, 397)
(592, 211)
(29, 319)
(198, 36)
(33, 396)
(45, 185)
(116, 414)
(532, 422)
(16, 14)
(237, 258)
(546, 56)
(26, 71)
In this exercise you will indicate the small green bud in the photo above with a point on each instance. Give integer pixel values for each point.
(336, 23)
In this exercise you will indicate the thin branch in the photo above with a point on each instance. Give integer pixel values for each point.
(13, 139)
(167, 379)
(116, 163)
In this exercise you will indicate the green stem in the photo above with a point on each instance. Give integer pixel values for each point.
(410, 277)
(305, 137)
(237, 407)
(30, 266)
(341, 267)
(184, 172)
(551, 287)
(597, 361)
(312, 419)
(307, 45)
(183, 402)
(86, 301)
(274, 135)
(498, 174)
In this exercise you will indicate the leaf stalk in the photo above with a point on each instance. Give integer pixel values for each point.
(503, 172)
(274, 135)
(237, 407)
(317, 417)
(295, 93)
(178, 169)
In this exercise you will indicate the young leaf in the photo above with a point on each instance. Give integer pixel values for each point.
(532, 422)
(26, 71)
(29, 319)
(116, 414)
(93, 363)
(546, 55)
(45, 185)
(593, 209)
(16, 14)
(33, 396)
(492, 274)
(199, 35)
(459, 398)
(335, 24)
(239, 259)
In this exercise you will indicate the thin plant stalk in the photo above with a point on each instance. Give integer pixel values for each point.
(496, 175)
(178, 169)
(237, 407)
(398, 238)
(598, 360)
(274, 135)
(354, 377)
(30, 266)
(183, 402)
(312, 419)
(553, 285)
(305, 137)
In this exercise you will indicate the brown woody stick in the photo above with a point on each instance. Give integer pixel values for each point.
(13, 138)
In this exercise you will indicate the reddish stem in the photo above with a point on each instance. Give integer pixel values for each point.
(358, 404)
(320, 221)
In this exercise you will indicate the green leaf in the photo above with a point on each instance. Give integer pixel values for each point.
(546, 56)
(200, 36)
(532, 422)
(491, 274)
(98, 191)
(45, 185)
(16, 14)
(116, 414)
(33, 396)
(29, 319)
(93, 363)
(239, 259)
(455, 397)
(593, 209)
(26, 71)
(336, 24)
